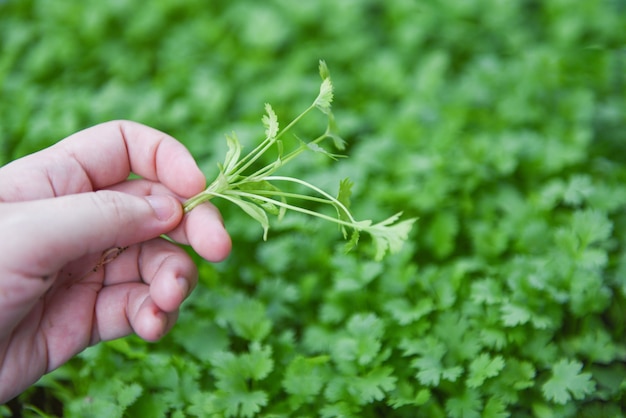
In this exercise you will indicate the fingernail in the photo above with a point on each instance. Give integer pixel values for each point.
(162, 205)
(183, 285)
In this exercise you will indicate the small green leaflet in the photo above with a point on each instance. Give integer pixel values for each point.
(389, 235)
(304, 377)
(269, 188)
(325, 97)
(464, 405)
(233, 153)
(483, 368)
(254, 211)
(233, 374)
(568, 382)
(270, 121)
(345, 192)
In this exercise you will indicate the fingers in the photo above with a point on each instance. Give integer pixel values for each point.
(203, 228)
(101, 156)
(135, 148)
(42, 236)
(149, 307)
(46, 234)
(165, 267)
(126, 308)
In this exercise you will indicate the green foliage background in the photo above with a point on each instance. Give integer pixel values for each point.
(500, 124)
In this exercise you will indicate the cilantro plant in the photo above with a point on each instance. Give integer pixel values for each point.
(257, 194)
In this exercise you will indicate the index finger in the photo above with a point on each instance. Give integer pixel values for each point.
(101, 156)
(127, 147)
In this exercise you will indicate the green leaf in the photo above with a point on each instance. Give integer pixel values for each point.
(483, 368)
(389, 236)
(465, 405)
(338, 410)
(257, 363)
(232, 155)
(200, 337)
(442, 233)
(513, 315)
(578, 190)
(325, 97)
(568, 382)
(270, 121)
(591, 226)
(323, 70)
(304, 377)
(232, 373)
(202, 404)
(321, 150)
(247, 317)
(264, 188)
(129, 394)
(374, 385)
(512, 381)
(343, 196)
(487, 291)
(495, 408)
(429, 364)
(405, 394)
(361, 342)
(331, 132)
(406, 313)
(254, 211)
(354, 240)
(242, 404)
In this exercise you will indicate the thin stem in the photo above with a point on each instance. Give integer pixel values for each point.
(251, 157)
(333, 199)
(254, 155)
(351, 224)
(196, 200)
(291, 196)
(293, 154)
(295, 121)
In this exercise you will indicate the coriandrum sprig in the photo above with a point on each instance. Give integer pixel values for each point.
(256, 192)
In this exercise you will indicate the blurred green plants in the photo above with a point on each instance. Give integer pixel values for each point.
(499, 124)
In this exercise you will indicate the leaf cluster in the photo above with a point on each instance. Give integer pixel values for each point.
(257, 194)
(498, 123)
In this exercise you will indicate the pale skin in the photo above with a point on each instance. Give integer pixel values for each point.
(81, 258)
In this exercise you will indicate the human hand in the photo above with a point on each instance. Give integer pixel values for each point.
(64, 213)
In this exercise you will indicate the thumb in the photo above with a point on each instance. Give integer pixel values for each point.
(41, 236)
(46, 234)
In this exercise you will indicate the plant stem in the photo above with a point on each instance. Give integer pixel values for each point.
(351, 223)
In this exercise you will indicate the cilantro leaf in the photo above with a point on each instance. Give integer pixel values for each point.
(568, 382)
(270, 121)
(304, 377)
(495, 408)
(232, 155)
(389, 236)
(374, 385)
(513, 315)
(325, 97)
(482, 368)
(232, 373)
(465, 405)
(591, 226)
